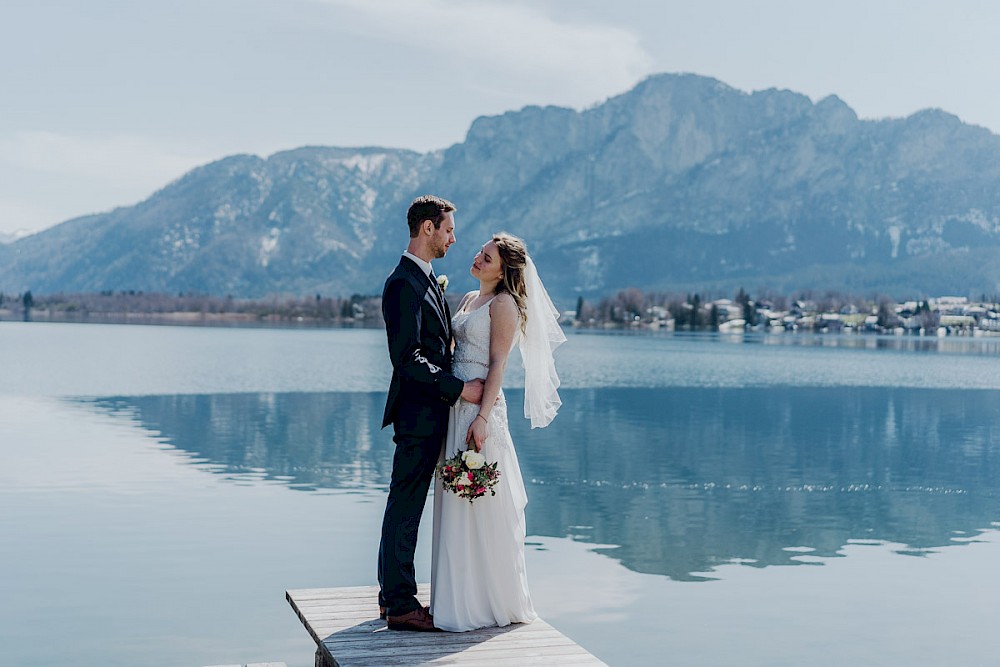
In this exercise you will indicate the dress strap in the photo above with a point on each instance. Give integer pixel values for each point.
(479, 307)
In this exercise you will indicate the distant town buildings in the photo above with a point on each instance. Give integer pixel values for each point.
(940, 316)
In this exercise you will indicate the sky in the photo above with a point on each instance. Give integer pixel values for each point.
(103, 102)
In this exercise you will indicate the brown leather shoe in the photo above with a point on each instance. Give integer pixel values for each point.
(418, 620)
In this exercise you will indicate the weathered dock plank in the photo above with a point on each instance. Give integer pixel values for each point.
(344, 624)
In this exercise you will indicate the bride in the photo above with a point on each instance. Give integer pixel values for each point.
(478, 576)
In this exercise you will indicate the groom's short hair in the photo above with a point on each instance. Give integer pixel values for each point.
(427, 207)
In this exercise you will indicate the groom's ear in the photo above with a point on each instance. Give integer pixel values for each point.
(428, 226)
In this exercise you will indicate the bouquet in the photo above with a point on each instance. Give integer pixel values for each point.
(468, 475)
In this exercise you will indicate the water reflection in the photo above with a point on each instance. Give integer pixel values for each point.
(309, 441)
(681, 479)
(988, 345)
(964, 345)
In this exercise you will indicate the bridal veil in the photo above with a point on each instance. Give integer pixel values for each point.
(542, 335)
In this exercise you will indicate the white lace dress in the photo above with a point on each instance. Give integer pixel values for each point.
(478, 577)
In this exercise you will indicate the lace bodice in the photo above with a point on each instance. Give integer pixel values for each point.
(472, 342)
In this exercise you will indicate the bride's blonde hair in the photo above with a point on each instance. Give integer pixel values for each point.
(514, 258)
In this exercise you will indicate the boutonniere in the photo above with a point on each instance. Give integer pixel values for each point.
(443, 282)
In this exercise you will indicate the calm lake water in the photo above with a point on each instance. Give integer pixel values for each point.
(700, 500)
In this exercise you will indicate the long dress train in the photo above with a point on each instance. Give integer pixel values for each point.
(478, 577)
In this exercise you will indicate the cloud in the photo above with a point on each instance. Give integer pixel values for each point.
(47, 177)
(531, 50)
(126, 160)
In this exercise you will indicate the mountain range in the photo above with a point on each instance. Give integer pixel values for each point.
(682, 183)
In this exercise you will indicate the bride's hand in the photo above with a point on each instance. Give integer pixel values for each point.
(478, 433)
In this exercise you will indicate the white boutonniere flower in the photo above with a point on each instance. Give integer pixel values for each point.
(443, 282)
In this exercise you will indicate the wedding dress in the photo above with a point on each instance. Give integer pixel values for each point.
(478, 577)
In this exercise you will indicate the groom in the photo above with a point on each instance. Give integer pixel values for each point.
(418, 326)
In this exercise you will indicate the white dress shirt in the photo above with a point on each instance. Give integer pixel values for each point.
(425, 266)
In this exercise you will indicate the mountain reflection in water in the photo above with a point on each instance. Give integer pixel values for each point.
(679, 479)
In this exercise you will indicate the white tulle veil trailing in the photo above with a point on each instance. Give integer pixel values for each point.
(542, 335)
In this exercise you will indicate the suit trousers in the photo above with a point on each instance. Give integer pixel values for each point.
(412, 471)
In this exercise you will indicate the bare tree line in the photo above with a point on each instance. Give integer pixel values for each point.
(110, 306)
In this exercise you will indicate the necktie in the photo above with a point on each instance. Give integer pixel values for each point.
(437, 290)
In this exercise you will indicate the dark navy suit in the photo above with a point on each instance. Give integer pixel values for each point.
(418, 328)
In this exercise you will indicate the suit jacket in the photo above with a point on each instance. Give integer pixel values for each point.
(418, 328)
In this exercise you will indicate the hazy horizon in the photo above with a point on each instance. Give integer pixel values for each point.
(112, 100)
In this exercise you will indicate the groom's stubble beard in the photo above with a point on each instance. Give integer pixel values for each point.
(440, 250)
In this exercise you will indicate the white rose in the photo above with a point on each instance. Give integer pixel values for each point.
(474, 460)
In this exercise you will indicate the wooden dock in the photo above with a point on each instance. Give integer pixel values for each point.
(345, 625)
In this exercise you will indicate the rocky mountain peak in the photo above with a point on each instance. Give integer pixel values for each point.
(680, 183)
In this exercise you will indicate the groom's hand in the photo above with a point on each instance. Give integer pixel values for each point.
(473, 391)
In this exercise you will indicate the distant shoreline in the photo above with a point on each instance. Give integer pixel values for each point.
(627, 310)
(194, 319)
(249, 321)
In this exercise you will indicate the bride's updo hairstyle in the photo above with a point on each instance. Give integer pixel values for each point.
(513, 256)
